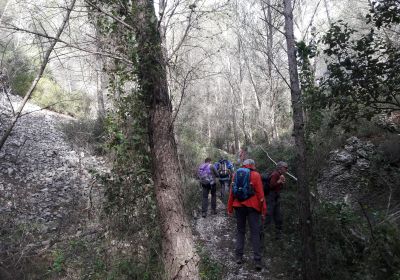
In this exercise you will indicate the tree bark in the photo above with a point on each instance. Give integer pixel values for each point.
(38, 76)
(310, 267)
(180, 258)
(234, 124)
(327, 12)
(101, 83)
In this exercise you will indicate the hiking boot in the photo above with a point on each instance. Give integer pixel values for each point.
(204, 215)
(258, 265)
(214, 212)
(239, 260)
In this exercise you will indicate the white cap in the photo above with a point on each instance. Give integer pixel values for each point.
(249, 162)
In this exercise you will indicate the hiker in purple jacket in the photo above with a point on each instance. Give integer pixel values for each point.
(207, 176)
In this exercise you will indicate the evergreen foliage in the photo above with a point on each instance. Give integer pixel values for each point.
(362, 78)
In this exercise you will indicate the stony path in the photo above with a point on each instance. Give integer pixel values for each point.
(217, 234)
(44, 182)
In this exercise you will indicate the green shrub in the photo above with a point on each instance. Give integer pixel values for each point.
(278, 151)
(130, 211)
(350, 248)
(209, 269)
(390, 149)
(85, 133)
(21, 82)
(58, 263)
(191, 194)
(49, 94)
(22, 70)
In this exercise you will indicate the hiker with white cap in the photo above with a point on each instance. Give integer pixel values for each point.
(247, 198)
(276, 181)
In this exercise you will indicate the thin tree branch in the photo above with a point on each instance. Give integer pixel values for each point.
(276, 68)
(110, 55)
(39, 75)
(276, 28)
(272, 6)
(311, 20)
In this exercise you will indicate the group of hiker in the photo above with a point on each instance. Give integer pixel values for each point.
(253, 197)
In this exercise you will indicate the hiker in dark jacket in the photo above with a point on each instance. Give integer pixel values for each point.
(207, 176)
(224, 168)
(276, 181)
(250, 209)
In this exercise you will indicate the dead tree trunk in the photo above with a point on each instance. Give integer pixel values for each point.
(38, 76)
(179, 255)
(308, 242)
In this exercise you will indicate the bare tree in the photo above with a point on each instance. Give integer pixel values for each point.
(311, 271)
(39, 74)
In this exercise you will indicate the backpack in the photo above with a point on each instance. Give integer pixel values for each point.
(242, 188)
(204, 174)
(223, 169)
(266, 178)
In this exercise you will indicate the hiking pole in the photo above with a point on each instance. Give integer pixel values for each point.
(288, 173)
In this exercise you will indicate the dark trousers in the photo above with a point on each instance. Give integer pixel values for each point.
(206, 190)
(224, 188)
(251, 215)
(274, 213)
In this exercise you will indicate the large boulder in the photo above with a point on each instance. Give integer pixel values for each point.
(344, 177)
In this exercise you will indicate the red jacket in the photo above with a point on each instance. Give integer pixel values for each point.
(257, 201)
(273, 183)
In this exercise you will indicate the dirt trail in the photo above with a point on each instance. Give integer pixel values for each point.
(217, 234)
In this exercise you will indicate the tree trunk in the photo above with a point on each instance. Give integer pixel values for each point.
(327, 12)
(46, 58)
(101, 83)
(309, 253)
(209, 136)
(234, 124)
(179, 255)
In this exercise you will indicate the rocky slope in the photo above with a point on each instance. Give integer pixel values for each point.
(342, 178)
(45, 183)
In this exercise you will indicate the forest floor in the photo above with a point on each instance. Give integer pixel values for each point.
(216, 234)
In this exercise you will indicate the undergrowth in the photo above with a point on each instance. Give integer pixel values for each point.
(209, 268)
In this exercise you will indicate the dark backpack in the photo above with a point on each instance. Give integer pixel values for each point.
(266, 178)
(242, 188)
(223, 171)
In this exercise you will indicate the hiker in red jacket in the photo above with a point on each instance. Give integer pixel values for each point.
(250, 209)
(277, 180)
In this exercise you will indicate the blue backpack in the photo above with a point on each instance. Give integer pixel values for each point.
(242, 188)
